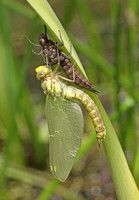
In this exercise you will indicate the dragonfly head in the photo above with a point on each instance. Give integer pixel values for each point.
(43, 39)
(42, 71)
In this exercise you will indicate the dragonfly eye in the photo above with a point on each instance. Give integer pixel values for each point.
(40, 75)
(43, 40)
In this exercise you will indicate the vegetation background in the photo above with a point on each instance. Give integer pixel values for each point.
(105, 35)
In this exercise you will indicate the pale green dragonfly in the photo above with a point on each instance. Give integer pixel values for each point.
(65, 121)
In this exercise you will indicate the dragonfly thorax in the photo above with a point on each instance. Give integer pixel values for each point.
(50, 52)
(52, 87)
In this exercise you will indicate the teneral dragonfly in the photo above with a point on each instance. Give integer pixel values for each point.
(65, 121)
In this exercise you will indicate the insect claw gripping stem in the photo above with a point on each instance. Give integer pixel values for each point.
(57, 56)
(68, 57)
(62, 44)
(54, 87)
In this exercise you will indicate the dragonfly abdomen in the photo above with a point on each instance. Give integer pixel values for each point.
(73, 74)
(74, 93)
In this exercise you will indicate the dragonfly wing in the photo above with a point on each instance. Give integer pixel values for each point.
(65, 124)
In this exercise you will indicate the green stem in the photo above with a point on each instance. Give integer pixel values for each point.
(124, 183)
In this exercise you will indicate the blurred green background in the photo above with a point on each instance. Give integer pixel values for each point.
(105, 36)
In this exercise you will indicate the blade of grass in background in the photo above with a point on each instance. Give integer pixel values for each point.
(19, 8)
(123, 181)
(89, 25)
(38, 179)
(136, 166)
(118, 65)
(24, 101)
(7, 99)
(68, 13)
(94, 57)
(13, 99)
(124, 107)
(132, 10)
(93, 38)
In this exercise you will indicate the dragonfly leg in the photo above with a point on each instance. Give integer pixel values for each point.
(58, 45)
(37, 45)
(68, 57)
(45, 59)
(70, 80)
(54, 73)
(37, 53)
(58, 59)
(58, 63)
(62, 44)
(73, 71)
(55, 70)
(62, 77)
(73, 80)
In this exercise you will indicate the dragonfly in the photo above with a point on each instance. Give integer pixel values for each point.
(65, 121)
(54, 55)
